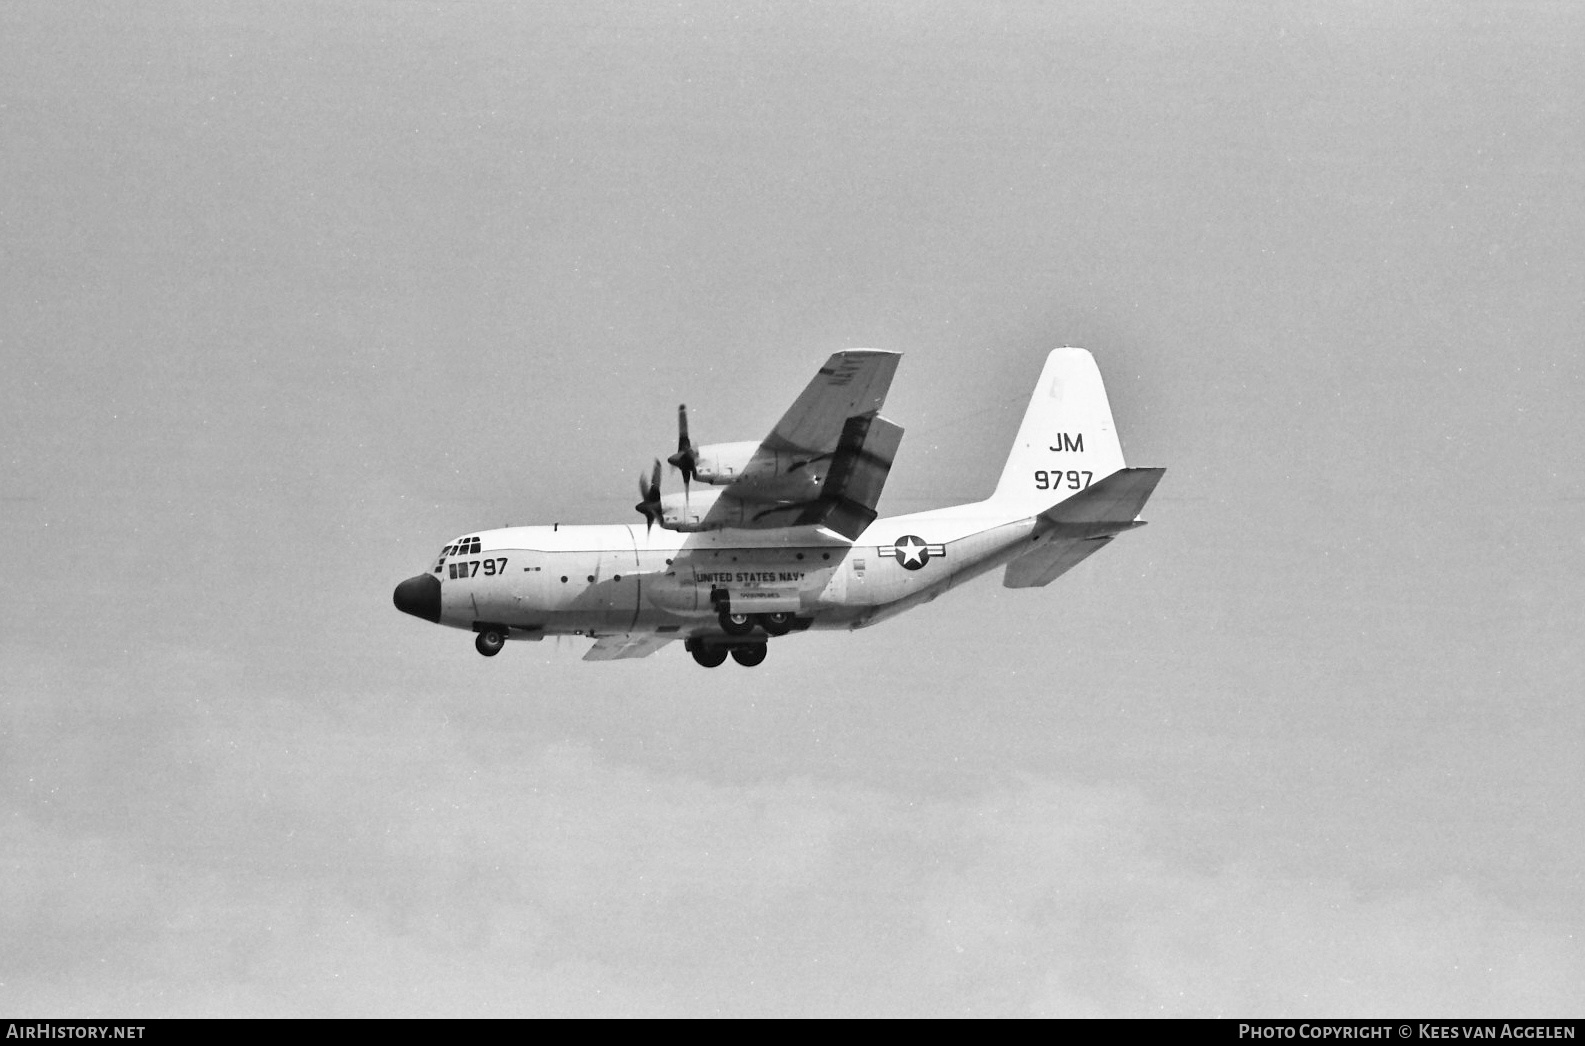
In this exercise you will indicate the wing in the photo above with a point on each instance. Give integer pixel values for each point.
(1071, 530)
(827, 459)
(845, 496)
(851, 383)
(625, 645)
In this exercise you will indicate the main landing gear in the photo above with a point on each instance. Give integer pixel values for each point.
(746, 648)
(709, 656)
(749, 656)
(714, 655)
(738, 624)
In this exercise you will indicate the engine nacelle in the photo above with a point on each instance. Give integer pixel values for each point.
(686, 512)
(723, 463)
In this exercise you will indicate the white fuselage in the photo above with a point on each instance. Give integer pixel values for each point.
(773, 538)
(622, 578)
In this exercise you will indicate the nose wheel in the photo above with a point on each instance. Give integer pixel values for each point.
(489, 642)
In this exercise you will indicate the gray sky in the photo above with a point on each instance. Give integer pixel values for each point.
(290, 294)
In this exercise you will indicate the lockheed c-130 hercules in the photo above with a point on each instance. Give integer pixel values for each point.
(785, 536)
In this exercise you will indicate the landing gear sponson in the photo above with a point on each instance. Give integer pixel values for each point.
(745, 651)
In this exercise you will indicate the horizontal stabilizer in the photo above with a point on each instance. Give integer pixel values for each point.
(1072, 530)
(1048, 562)
(1108, 507)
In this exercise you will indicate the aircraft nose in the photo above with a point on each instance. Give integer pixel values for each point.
(419, 596)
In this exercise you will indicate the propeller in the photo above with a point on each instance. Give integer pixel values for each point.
(686, 460)
(649, 507)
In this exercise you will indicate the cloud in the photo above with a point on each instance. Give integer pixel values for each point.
(347, 869)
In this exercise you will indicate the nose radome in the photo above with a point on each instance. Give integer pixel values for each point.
(419, 596)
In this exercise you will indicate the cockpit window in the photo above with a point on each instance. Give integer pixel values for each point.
(468, 546)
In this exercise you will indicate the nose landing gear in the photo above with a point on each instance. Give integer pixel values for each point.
(489, 641)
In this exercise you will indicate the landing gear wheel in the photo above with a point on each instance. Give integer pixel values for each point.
(777, 624)
(710, 656)
(490, 642)
(749, 656)
(736, 624)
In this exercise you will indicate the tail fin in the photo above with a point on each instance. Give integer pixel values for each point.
(1067, 440)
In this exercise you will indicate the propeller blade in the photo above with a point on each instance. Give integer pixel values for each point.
(685, 461)
(649, 507)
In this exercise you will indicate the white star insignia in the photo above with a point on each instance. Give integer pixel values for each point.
(911, 549)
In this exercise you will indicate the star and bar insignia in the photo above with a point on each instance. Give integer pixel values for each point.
(912, 552)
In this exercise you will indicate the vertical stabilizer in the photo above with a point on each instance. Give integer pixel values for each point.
(1067, 440)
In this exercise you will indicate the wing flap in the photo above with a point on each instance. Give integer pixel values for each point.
(626, 645)
(853, 484)
(863, 460)
(826, 461)
(857, 476)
